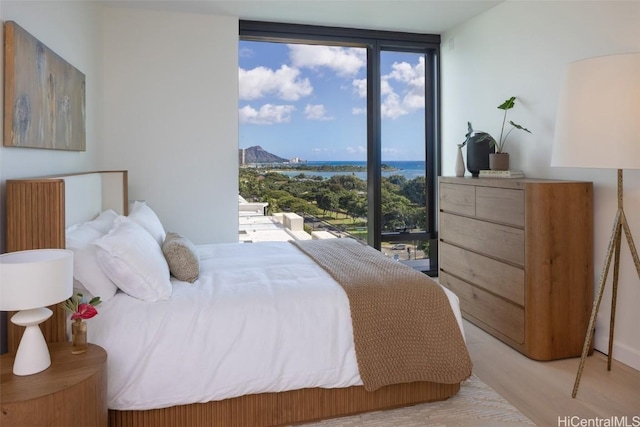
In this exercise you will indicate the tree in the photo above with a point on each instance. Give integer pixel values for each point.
(327, 201)
(416, 191)
(349, 182)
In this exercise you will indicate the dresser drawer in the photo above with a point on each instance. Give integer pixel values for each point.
(501, 205)
(494, 276)
(493, 240)
(493, 311)
(458, 198)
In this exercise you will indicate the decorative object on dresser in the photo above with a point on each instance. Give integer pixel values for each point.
(460, 161)
(30, 281)
(73, 392)
(512, 173)
(44, 96)
(600, 103)
(518, 252)
(500, 159)
(478, 150)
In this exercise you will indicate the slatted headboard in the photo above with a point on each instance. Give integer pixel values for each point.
(39, 210)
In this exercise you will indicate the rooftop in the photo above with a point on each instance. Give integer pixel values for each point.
(256, 226)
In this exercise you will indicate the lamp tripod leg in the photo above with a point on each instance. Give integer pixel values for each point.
(620, 224)
(614, 292)
(596, 306)
(624, 225)
(632, 246)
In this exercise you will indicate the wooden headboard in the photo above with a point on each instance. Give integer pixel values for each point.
(39, 210)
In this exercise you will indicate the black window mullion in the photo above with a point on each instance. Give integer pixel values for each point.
(374, 150)
(432, 100)
(432, 134)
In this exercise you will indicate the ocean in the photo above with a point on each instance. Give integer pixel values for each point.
(409, 168)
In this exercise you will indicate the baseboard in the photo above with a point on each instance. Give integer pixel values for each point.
(621, 352)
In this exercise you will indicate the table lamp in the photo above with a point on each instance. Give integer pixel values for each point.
(30, 281)
(598, 126)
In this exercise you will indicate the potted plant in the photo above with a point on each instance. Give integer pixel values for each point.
(500, 159)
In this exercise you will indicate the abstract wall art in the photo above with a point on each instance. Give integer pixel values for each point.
(44, 96)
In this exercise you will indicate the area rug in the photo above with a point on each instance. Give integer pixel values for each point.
(475, 405)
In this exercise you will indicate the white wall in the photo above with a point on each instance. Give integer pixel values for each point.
(72, 30)
(520, 48)
(171, 114)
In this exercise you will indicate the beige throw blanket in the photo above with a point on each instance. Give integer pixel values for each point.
(403, 327)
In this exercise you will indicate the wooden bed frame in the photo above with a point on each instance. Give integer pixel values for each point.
(38, 212)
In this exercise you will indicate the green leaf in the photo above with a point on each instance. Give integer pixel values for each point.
(508, 104)
(95, 301)
(517, 126)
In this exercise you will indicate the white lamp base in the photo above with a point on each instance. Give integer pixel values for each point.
(33, 354)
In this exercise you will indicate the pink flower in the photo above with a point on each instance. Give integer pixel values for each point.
(85, 311)
(80, 310)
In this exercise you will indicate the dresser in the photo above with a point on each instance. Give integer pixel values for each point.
(519, 255)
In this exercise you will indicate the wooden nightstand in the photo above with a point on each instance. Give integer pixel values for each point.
(71, 392)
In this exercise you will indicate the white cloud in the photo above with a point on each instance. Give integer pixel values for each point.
(357, 111)
(345, 61)
(412, 79)
(316, 112)
(285, 83)
(358, 149)
(246, 52)
(267, 114)
(360, 87)
(392, 106)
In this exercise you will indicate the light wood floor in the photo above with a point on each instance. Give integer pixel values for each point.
(542, 390)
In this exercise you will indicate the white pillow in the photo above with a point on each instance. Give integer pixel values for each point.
(86, 271)
(103, 222)
(131, 258)
(145, 216)
(81, 235)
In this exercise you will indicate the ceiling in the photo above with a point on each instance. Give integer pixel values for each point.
(418, 16)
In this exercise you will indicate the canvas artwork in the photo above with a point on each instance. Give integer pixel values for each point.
(44, 95)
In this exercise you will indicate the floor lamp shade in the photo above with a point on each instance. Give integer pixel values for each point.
(598, 117)
(30, 281)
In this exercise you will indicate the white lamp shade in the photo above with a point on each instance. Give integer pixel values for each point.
(598, 118)
(34, 279)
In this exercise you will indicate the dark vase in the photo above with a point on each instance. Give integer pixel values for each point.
(478, 155)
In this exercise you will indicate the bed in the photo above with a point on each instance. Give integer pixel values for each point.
(248, 389)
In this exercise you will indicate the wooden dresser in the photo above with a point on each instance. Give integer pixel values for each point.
(519, 255)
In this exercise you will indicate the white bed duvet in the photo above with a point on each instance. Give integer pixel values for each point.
(262, 317)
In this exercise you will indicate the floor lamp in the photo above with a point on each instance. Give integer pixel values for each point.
(598, 126)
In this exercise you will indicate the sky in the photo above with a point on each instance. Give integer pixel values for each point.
(309, 102)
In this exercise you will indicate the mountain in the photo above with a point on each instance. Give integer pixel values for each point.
(257, 154)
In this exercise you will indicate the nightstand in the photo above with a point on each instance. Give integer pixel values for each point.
(71, 392)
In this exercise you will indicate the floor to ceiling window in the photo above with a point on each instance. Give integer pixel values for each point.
(341, 127)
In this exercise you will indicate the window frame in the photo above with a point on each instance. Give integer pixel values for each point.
(375, 42)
